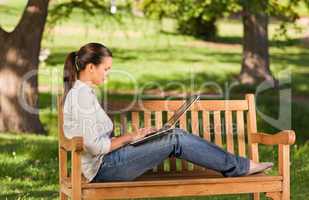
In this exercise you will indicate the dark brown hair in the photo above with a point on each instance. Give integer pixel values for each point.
(76, 61)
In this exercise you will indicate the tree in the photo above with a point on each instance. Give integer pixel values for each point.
(255, 65)
(19, 61)
(255, 62)
(18, 56)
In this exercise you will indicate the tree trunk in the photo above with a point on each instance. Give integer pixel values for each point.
(255, 63)
(19, 61)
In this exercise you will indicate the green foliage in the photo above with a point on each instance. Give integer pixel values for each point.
(63, 9)
(194, 17)
(198, 17)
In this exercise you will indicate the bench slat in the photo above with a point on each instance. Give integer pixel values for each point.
(173, 105)
(135, 121)
(159, 124)
(217, 127)
(183, 125)
(195, 131)
(229, 131)
(241, 133)
(182, 188)
(152, 181)
(206, 125)
(123, 123)
(147, 119)
(172, 160)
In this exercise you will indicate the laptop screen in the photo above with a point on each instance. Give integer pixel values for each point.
(181, 110)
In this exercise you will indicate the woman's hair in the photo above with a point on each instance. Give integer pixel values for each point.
(76, 61)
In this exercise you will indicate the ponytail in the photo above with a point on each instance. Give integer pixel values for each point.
(70, 73)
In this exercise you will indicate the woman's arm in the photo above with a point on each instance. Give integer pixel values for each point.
(119, 141)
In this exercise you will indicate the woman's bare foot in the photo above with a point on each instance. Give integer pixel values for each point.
(259, 167)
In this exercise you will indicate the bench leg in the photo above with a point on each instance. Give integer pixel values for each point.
(274, 195)
(63, 196)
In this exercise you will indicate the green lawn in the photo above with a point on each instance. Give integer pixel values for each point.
(150, 52)
(29, 168)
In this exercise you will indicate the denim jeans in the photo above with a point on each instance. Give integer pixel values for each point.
(129, 162)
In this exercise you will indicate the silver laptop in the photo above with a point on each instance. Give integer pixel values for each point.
(170, 123)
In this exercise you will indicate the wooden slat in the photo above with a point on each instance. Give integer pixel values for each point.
(63, 141)
(173, 105)
(63, 157)
(76, 176)
(217, 126)
(251, 127)
(63, 164)
(192, 174)
(241, 134)
(194, 121)
(194, 188)
(147, 119)
(147, 123)
(206, 125)
(229, 131)
(135, 121)
(158, 125)
(172, 160)
(195, 131)
(183, 122)
(183, 125)
(284, 169)
(123, 123)
(186, 187)
(158, 119)
(282, 137)
(202, 180)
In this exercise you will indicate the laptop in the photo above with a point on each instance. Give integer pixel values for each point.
(170, 123)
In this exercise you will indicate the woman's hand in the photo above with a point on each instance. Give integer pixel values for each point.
(141, 133)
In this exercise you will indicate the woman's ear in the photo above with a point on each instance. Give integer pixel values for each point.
(90, 67)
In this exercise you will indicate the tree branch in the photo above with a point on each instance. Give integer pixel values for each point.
(62, 11)
(34, 16)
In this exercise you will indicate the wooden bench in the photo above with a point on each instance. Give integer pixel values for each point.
(230, 124)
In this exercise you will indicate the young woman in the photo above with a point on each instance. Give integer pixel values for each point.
(107, 158)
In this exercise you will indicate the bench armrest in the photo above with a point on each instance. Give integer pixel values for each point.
(77, 144)
(283, 137)
(74, 144)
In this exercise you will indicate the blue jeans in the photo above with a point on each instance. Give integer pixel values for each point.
(129, 162)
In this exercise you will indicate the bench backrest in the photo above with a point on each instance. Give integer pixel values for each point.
(227, 123)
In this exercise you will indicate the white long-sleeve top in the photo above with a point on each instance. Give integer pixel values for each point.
(84, 116)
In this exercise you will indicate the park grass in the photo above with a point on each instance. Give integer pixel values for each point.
(150, 52)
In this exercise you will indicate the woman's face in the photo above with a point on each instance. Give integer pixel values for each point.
(100, 72)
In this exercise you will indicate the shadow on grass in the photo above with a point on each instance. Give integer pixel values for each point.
(272, 43)
(45, 194)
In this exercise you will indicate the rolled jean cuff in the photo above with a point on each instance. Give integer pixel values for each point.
(241, 167)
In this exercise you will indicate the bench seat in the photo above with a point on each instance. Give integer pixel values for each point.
(177, 184)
